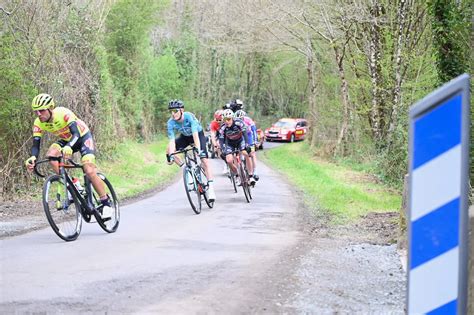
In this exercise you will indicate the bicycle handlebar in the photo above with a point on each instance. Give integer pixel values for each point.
(70, 164)
(189, 148)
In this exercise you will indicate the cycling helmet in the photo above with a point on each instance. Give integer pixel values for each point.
(228, 113)
(236, 105)
(226, 106)
(240, 114)
(42, 101)
(175, 104)
(218, 115)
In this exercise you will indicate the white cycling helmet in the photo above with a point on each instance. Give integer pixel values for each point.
(227, 113)
(240, 114)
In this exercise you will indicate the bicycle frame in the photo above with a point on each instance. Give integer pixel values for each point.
(87, 206)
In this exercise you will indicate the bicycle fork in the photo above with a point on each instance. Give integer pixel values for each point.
(64, 203)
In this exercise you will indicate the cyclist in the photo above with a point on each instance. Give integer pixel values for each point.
(215, 129)
(74, 136)
(226, 106)
(251, 136)
(233, 136)
(190, 131)
(236, 105)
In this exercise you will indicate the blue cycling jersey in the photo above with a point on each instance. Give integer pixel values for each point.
(187, 127)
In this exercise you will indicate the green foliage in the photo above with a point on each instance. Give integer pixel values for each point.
(133, 173)
(344, 193)
(451, 26)
(164, 82)
(130, 63)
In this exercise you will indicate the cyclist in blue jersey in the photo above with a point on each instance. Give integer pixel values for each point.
(190, 132)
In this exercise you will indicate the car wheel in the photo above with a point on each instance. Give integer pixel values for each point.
(292, 138)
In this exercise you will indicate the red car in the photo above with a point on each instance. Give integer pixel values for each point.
(287, 129)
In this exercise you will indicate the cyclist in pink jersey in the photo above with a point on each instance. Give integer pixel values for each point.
(252, 137)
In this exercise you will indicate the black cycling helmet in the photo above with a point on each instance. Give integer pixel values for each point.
(175, 104)
(226, 106)
(236, 105)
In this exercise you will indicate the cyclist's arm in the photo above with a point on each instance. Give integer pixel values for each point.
(171, 137)
(197, 142)
(243, 127)
(171, 146)
(254, 133)
(74, 133)
(213, 138)
(222, 136)
(35, 148)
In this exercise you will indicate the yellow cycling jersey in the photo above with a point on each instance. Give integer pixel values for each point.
(62, 118)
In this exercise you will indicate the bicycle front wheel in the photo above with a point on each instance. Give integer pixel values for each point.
(204, 186)
(191, 188)
(63, 214)
(244, 182)
(111, 224)
(232, 180)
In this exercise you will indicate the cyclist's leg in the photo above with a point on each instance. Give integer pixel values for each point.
(206, 166)
(248, 161)
(55, 151)
(87, 149)
(180, 143)
(229, 158)
(204, 157)
(246, 155)
(253, 156)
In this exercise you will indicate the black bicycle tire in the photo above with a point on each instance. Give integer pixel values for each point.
(244, 182)
(249, 188)
(232, 180)
(196, 208)
(210, 204)
(115, 201)
(49, 217)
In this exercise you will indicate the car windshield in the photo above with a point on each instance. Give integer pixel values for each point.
(283, 124)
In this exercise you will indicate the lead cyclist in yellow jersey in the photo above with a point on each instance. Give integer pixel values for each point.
(74, 136)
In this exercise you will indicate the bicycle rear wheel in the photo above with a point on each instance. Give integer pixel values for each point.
(244, 182)
(192, 192)
(63, 215)
(111, 224)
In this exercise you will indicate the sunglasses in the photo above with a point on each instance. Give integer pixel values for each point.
(174, 111)
(228, 118)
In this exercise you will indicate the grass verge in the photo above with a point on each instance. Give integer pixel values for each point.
(343, 193)
(138, 167)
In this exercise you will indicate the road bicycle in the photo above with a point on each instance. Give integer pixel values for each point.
(243, 174)
(66, 204)
(210, 147)
(195, 180)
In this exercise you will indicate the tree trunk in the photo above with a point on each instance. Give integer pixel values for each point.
(375, 74)
(346, 110)
(312, 94)
(396, 106)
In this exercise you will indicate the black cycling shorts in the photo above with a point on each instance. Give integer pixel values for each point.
(183, 141)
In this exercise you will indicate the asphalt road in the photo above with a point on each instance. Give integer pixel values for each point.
(163, 258)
